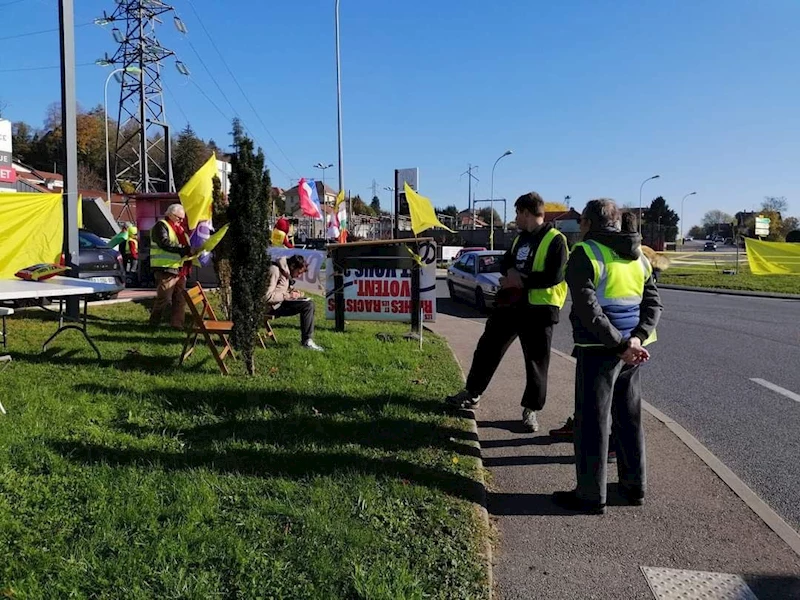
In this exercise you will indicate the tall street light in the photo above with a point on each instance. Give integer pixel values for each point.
(339, 99)
(491, 199)
(640, 200)
(319, 165)
(684, 198)
(130, 69)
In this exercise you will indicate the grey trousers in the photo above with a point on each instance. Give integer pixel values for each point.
(608, 393)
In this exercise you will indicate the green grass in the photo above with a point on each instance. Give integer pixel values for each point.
(711, 276)
(334, 475)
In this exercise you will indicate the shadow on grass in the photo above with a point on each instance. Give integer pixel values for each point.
(267, 463)
(224, 401)
(86, 357)
(299, 431)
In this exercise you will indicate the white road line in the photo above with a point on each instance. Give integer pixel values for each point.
(776, 388)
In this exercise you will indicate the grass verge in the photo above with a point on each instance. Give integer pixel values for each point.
(712, 276)
(334, 475)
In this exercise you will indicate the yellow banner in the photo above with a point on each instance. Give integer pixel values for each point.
(198, 193)
(423, 217)
(31, 231)
(773, 258)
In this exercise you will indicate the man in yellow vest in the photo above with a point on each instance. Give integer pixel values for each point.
(528, 305)
(615, 310)
(169, 249)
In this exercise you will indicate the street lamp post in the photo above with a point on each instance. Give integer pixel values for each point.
(391, 212)
(640, 200)
(491, 200)
(339, 99)
(105, 112)
(319, 165)
(684, 198)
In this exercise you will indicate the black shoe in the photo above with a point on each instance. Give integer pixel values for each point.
(570, 501)
(632, 497)
(564, 433)
(463, 399)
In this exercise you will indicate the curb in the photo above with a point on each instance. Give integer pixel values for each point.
(482, 509)
(726, 292)
(762, 510)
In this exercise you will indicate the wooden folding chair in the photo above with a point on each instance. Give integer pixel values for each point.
(268, 333)
(205, 323)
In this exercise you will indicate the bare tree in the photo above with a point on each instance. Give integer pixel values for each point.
(777, 204)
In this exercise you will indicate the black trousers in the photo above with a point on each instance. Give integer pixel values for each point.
(608, 397)
(304, 308)
(502, 328)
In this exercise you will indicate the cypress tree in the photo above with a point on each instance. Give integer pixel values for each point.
(249, 231)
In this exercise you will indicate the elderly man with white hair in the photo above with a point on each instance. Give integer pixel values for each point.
(169, 247)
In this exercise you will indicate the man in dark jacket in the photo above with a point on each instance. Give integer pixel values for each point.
(528, 304)
(615, 310)
(169, 247)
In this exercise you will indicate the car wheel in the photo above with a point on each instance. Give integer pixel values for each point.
(480, 300)
(452, 290)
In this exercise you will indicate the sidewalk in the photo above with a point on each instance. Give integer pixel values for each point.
(691, 520)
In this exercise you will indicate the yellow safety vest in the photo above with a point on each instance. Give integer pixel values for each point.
(552, 296)
(160, 258)
(619, 286)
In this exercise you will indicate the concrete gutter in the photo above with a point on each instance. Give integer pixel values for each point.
(752, 294)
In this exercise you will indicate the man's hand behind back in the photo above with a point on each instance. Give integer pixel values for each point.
(635, 353)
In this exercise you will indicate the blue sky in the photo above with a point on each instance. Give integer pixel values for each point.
(593, 96)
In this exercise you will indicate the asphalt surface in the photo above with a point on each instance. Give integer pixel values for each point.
(709, 349)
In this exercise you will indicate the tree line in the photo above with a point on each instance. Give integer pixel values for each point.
(40, 147)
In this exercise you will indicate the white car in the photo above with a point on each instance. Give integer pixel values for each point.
(475, 276)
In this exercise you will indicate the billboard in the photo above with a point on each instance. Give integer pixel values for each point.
(8, 176)
(384, 294)
(401, 177)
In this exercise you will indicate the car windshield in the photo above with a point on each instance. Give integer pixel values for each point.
(90, 240)
(490, 264)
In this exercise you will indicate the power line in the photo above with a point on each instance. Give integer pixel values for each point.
(17, 70)
(10, 3)
(41, 31)
(227, 118)
(236, 81)
(175, 100)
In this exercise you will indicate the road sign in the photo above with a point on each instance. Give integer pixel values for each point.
(762, 226)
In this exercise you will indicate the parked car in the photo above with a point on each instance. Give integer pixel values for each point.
(475, 276)
(99, 262)
(710, 247)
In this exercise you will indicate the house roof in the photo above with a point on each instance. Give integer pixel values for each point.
(321, 188)
(563, 215)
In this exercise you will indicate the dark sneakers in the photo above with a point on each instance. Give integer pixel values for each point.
(565, 433)
(632, 497)
(463, 399)
(571, 502)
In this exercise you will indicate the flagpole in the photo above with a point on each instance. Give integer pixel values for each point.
(339, 99)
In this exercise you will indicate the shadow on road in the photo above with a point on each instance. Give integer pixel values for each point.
(446, 306)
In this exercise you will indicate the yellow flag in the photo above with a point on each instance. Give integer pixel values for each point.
(80, 211)
(212, 242)
(31, 230)
(197, 195)
(773, 258)
(423, 216)
(339, 198)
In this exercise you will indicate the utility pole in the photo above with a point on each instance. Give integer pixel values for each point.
(470, 177)
(374, 188)
(141, 150)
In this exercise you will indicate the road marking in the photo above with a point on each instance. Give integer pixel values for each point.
(776, 388)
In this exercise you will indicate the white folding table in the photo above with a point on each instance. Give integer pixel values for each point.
(58, 288)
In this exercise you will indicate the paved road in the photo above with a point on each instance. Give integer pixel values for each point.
(710, 349)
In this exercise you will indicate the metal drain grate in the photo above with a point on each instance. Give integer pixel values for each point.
(677, 584)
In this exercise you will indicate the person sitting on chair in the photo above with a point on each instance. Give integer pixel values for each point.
(285, 301)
